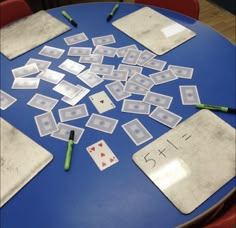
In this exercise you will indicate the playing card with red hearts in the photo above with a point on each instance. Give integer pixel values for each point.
(102, 155)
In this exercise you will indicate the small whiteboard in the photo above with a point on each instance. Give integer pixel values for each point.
(153, 30)
(21, 160)
(192, 161)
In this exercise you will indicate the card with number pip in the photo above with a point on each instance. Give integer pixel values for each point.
(102, 155)
(102, 102)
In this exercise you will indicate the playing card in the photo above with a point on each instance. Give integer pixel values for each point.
(181, 72)
(51, 76)
(165, 117)
(135, 106)
(131, 69)
(101, 68)
(155, 64)
(6, 100)
(102, 155)
(41, 64)
(157, 99)
(103, 40)
(73, 113)
(46, 123)
(163, 77)
(51, 52)
(105, 51)
(142, 81)
(131, 56)
(122, 50)
(63, 132)
(79, 51)
(102, 123)
(90, 79)
(137, 132)
(102, 102)
(93, 58)
(67, 89)
(73, 101)
(75, 39)
(133, 88)
(71, 66)
(189, 95)
(116, 89)
(144, 57)
(42, 102)
(26, 70)
(25, 83)
(117, 75)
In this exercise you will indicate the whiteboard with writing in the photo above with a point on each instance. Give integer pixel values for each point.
(192, 161)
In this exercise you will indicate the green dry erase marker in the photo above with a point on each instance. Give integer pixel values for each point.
(69, 18)
(113, 11)
(216, 108)
(69, 151)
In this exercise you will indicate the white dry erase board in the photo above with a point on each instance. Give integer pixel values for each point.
(21, 160)
(153, 30)
(192, 161)
(29, 32)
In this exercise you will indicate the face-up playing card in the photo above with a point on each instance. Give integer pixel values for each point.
(116, 89)
(51, 76)
(181, 72)
(145, 57)
(71, 66)
(101, 68)
(163, 77)
(73, 113)
(189, 95)
(25, 83)
(73, 101)
(26, 70)
(133, 88)
(51, 52)
(157, 99)
(90, 79)
(117, 75)
(102, 102)
(46, 123)
(131, 69)
(155, 64)
(41, 64)
(122, 50)
(131, 56)
(165, 117)
(103, 40)
(135, 106)
(75, 39)
(93, 58)
(102, 123)
(137, 132)
(105, 51)
(142, 81)
(67, 89)
(6, 100)
(102, 155)
(42, 102)
(64, 130)
(79, 51)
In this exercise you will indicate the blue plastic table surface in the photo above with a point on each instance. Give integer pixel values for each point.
(120, 196)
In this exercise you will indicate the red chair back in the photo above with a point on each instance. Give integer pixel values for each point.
(12, 10)
(187, 7)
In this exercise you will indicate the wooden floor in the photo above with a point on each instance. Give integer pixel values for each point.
(217, 18)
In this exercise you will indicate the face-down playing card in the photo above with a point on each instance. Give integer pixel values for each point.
(102, 155)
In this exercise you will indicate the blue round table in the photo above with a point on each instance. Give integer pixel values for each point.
(121, 196)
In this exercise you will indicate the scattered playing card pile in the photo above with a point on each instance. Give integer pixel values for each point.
(127, 79)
